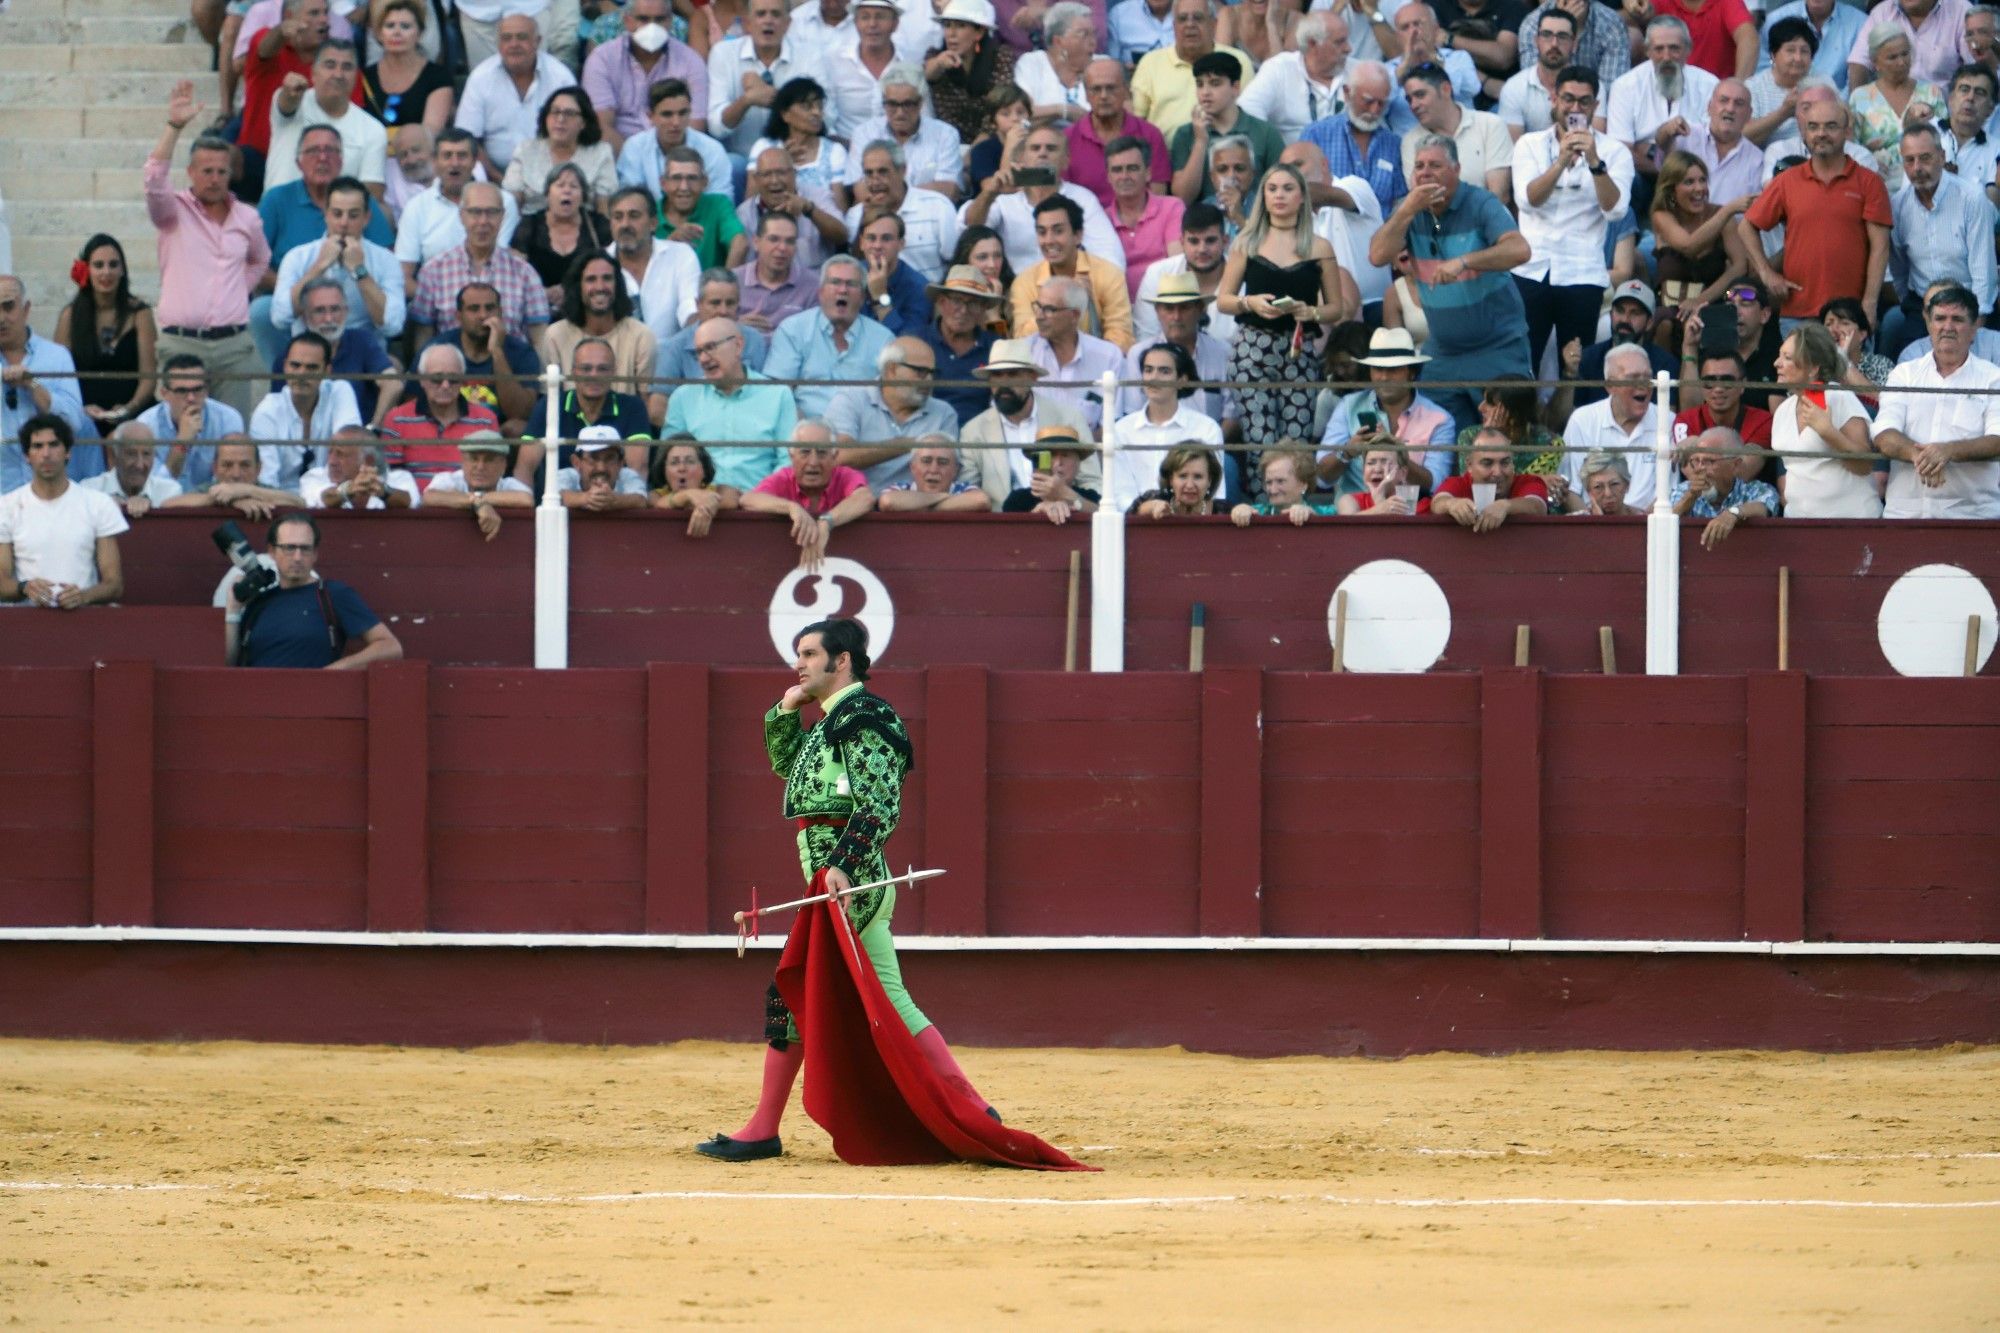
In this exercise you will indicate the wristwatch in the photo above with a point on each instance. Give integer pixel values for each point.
(359, 272)
(885, 301)
(1736, 512)
(1599, 169)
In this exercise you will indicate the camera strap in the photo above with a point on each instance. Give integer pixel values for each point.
(336, 634)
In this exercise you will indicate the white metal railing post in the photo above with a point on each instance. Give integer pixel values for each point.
(1107, 547)
(1663, 547)
(551, 540)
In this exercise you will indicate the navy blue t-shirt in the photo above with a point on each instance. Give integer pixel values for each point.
(289, 629)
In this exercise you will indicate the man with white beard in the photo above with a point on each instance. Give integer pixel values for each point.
(1357, 143)
(1656, 103)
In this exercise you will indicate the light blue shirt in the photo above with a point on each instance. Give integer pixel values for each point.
(383, 266)
(1134, 30)
(1953, 238)
(756, 411)
(1843, 25)
(629, 482)
(198, 469)
(65, 400)
(802, 349)
(642, 162)
(862, 416)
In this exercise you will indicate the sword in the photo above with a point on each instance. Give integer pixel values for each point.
(746, 922)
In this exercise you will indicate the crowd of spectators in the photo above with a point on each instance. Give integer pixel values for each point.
(877, 254)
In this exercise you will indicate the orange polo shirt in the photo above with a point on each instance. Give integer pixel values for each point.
(1826, 239)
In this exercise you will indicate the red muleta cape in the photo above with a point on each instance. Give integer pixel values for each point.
(867, 1084)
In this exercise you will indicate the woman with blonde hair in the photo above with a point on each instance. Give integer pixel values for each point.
(1698, 254)
(1189, 478)
(1282, 285)
(1820, 417)
(404, 86)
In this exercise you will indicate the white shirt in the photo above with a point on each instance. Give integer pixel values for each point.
(1821, 487)
(1146, 320)
(492, 11)
(853, 97)
(934, 152)
(1285, 95)
(1092, 357)
(728, 63)
(364, 144)
(569, 479)
(1021, 434)
(314, 483)
(1524, 102)
(57, 539)
(666, 298)
(1970, 489)
(1134, 471)
(930, 231)
(430, 225)
(500, 117)
(1634, 108)
(276, 418)
(453, 483)
(382, 267)
(815, 39)
(1566, 232)
(1349, 235)
(1483, 145)
(160, 484)
(1014, 218)
(1592, 427)
(1035, 76)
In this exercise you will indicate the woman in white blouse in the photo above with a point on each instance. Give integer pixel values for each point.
(1053, 77)
(565, 131)
(1169, 376)
(1820, 417)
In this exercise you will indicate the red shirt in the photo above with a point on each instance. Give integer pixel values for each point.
(1826, 236)
(784, 483)
(1525, 484)
(261, 80)
(1086, 156)
(420, 439)
(1754, 424)
(1712, 31)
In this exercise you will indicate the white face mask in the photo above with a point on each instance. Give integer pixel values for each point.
(651, 38)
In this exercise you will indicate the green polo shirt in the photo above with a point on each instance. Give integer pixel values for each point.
(716, 217)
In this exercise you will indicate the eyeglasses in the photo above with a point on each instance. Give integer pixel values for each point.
(703, 349)
(472, 212)
(293, 548)
(901, 103)
(1044, 311)
(565, 113)
(919, 370)
(321, 150)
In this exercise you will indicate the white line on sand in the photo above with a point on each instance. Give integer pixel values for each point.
(1034, 1201)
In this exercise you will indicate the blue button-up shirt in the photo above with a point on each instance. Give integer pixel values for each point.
(1381, 165)
(18, 404)
(970, 401)
(198, 469)
(802, 349)
(1134, 30)
(642, 162)
(291, 219)
(861, 415)
(756, 411)
(1953, 238)
(1836, 39)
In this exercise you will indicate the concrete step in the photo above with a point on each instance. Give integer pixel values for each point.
(126, 219)
(123, 28)
(65, 88)
(76, 183)
(23, 155)
(70, 124)
(186, 59)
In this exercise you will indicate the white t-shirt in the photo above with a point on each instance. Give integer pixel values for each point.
(1821, 487)
(57, 539)
(313, 485)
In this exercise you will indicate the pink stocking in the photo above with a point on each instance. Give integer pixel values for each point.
(781, 1070)
(931, 1042)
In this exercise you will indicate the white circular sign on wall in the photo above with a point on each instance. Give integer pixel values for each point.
(1397, 618)
(876, 612)
(1921, 625)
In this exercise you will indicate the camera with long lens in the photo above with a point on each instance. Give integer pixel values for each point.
(258, 578)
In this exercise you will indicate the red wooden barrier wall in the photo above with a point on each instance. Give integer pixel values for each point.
(993, 589)
(1506, 804)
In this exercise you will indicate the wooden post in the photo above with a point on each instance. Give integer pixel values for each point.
(1069, 631)
(1340, 630)
(1607, 650)
(1232, 801)
(1774, 806)
(1972, 644)
(677, 800)
(1510, 804)
(954, 773)
(399, 774)
(1197, 637)
(122, 787)
(1784, 617)
(1520, 645)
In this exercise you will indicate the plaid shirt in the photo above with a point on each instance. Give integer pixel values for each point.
(444, 276)
(1742, 493)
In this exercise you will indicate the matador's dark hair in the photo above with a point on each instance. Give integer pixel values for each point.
(841, 635)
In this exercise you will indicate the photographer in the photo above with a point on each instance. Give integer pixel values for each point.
(300, 620)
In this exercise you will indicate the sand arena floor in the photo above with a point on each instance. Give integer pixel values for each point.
(232, 1184)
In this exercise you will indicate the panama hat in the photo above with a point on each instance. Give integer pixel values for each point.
(1008, 354)
(963, 280)
(1392, 347)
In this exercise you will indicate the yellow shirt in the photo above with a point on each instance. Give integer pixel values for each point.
(1163, 88)
(1110, 313)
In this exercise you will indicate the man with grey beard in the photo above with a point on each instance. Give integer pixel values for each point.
(356, 350)
(1357, 143)
(1656, 103)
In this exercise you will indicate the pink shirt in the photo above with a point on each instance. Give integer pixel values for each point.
(206, 269)
(784, 483)
(1158, 228)
(1086, 155)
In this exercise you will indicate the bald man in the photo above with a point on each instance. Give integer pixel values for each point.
(875, 425)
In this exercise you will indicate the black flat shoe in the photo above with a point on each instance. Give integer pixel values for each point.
(725, 1149)
(996, 1115)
